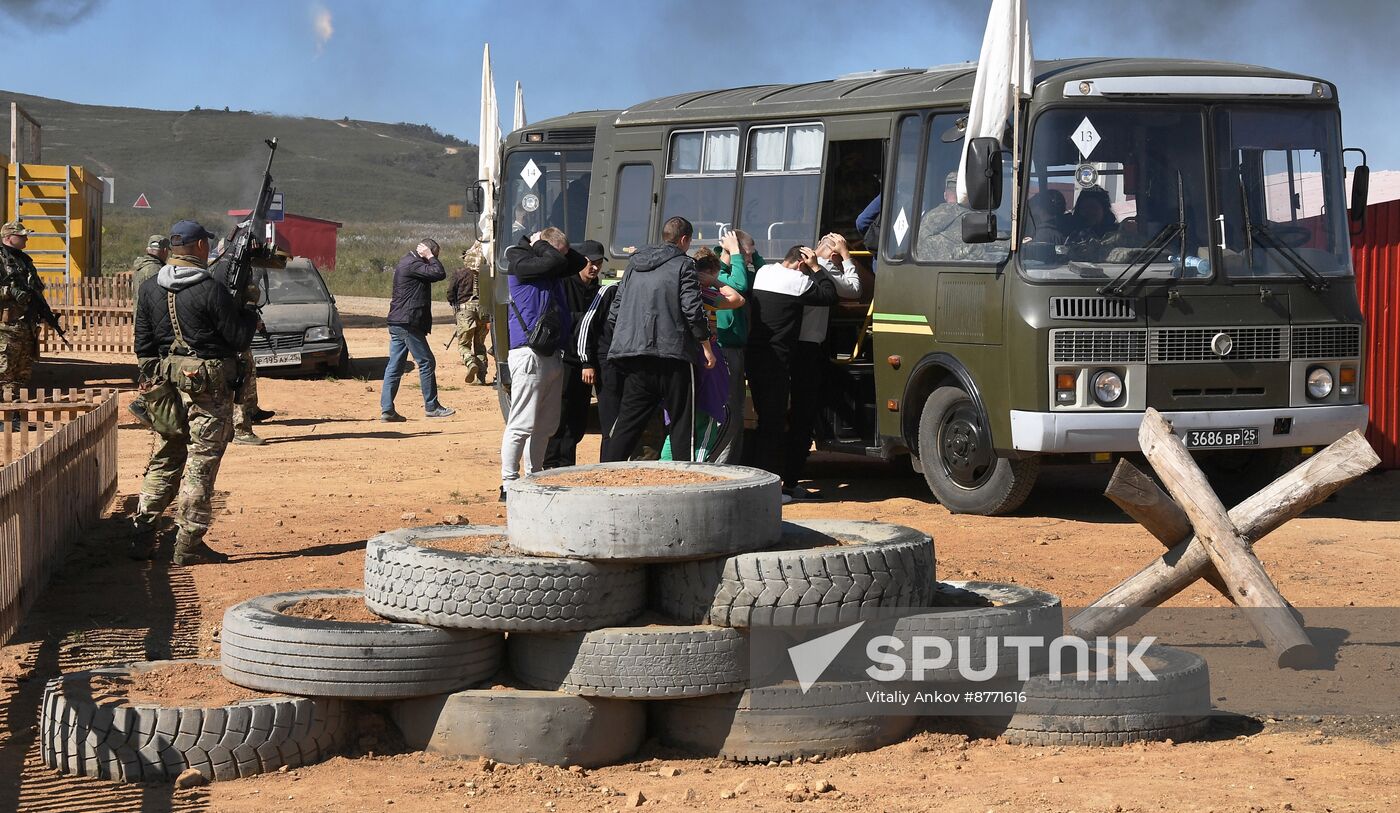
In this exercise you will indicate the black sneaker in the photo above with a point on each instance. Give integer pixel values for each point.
(262, 414)
(502, 498)
(142, 545)
(391, 417)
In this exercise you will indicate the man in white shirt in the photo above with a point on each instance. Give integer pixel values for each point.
(809, 361)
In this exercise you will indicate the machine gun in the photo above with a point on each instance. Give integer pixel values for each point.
(245, 241)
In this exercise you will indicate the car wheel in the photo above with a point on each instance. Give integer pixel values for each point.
(346, 365)
(962, 469)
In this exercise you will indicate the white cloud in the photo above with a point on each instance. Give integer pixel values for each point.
(321, 26)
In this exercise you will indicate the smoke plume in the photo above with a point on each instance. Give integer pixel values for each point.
(321, 26)
(42, 14)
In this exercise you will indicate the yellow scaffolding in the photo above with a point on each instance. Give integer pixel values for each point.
(62, 204)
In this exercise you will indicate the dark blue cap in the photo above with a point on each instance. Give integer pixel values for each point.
(188, 231)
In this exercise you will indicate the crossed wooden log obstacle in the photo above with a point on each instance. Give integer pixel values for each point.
(1206, 542)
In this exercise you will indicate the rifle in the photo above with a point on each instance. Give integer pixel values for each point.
(39, 306)
(239, 269)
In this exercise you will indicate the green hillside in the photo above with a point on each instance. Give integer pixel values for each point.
(210, 161)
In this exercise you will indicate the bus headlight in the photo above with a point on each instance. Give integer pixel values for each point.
(1108, 387)
(1319, 383)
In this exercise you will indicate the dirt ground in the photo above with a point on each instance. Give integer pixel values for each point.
(295, 514)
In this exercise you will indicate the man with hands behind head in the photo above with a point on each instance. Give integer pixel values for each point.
(410, 321)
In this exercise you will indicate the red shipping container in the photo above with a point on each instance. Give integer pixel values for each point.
(1376, 255)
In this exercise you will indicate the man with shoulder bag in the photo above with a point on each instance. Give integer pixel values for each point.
(189, 333)
(539, 323)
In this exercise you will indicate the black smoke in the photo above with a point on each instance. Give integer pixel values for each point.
(48, 14)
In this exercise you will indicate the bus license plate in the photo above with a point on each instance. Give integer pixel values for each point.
(276, 359)
(1222, 438)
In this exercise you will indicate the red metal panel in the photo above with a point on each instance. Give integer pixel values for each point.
(1376, 255)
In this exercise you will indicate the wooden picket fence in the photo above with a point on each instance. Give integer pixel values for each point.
(59, 475)
(99, 316)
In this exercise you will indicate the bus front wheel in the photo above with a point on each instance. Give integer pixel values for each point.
(962, 469)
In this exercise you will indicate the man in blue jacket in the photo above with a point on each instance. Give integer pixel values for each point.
(410, 321)
(536, 268)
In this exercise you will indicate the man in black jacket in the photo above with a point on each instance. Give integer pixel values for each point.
(659, 330)
(780, 293)
(579, 292)
(199, 354)
(410, 322)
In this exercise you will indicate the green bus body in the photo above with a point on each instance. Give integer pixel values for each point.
(1008, 328)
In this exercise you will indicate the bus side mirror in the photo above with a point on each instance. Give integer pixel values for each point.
(1360, 191)
(984, 169)
(979, 227)
(474, 199)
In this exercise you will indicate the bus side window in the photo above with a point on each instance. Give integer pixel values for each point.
(939, 237)
(701, 175)
(632, 215)
(782, 185)
(899, 214)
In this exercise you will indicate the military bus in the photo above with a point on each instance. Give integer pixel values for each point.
(1168, 234)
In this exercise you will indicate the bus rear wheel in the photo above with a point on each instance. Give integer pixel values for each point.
(962, 469)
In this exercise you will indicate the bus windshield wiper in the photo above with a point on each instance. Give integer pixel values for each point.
(1153, 249)
(1316, 281)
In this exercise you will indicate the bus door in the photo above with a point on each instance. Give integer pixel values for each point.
(852, 182)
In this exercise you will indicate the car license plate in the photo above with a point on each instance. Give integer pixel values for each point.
(276, 359)
(1222, 438)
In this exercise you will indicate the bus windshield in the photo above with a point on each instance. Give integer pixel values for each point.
(1281, 192)
(542, 188)
(1116, 187)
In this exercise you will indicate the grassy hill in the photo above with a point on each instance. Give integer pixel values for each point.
(211, 160)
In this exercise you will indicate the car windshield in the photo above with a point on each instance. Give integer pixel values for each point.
(542, 188)
(1281, 192)
(294, 285)
(1111, 189)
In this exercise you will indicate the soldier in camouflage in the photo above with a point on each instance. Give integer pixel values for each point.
(19, 329)
(473, 323)
(197, 350)
(146, 266)
(940, 230)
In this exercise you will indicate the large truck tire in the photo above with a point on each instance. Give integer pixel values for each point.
(407, 579)
(521, 726)
(742, 511)
(776, 723)
(1069, 711)
(263, 649)
(821, 572)
(972, 613)
(141, 742)
(637, 662)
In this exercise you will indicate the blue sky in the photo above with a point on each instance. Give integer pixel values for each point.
(419, 61)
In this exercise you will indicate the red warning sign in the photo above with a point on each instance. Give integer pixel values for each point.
(141, 202)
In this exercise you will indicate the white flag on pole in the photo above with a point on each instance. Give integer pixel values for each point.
(488, 171)
(519, 107)
(1005, 75)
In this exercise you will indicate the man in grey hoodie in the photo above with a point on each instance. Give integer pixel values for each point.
(659, 331)
(198, 351)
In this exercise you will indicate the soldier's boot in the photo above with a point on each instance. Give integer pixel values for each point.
(259, 415)
(247, 438)
(142, 545)
(191, 550)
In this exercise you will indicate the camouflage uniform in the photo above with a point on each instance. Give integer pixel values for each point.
(472, 323)
(189, 466)
(940, 236)
(19, 335)
(245, 402)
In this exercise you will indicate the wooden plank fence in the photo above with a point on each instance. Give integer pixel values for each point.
(59, 475)
(99, 316)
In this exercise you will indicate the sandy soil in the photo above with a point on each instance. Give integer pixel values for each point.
(294, 514)
(186, 684)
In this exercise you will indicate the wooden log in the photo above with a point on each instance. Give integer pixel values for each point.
(1307, 485)
(1249, 583)
(1145, 501)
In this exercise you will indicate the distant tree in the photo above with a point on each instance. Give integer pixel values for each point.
(225, 108)
(197, 108)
